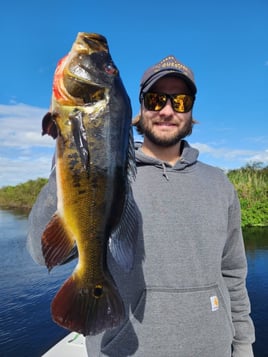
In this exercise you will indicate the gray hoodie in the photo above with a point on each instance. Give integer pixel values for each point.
(186, 294)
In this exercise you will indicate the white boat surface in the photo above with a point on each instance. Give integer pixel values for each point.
(72, 345)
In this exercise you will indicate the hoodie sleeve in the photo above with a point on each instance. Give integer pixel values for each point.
(240, 350)
(40, 215)
(234, 271)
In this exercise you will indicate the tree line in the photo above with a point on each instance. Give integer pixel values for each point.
(250, 181)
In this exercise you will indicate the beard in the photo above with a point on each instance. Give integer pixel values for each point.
(169, 140)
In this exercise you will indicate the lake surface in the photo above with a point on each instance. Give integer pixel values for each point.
(26, 328)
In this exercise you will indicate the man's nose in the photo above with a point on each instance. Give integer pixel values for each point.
(168, 109)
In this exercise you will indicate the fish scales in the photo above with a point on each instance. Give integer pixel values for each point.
(90, 118)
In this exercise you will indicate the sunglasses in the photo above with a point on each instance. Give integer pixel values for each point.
(181, 103)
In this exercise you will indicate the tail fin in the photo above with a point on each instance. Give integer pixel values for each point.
(87, 310)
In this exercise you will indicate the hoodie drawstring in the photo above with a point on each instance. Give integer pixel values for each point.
(165, 171)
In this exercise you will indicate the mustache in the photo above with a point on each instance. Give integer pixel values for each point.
(145, 130)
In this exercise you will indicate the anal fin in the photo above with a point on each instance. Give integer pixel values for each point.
(57, 245)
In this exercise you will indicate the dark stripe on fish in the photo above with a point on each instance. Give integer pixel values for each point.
(80, 138)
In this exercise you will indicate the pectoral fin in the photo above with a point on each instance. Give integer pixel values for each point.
(49, 125)
(57, 245)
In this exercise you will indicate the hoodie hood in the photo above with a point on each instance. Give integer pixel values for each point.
(188, 157)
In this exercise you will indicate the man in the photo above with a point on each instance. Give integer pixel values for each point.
(186, 294)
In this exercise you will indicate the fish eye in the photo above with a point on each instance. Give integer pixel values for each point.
(110, 68)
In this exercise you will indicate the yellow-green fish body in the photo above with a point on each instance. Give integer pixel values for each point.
(92, 115)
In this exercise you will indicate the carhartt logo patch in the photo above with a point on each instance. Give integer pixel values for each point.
(214, 301)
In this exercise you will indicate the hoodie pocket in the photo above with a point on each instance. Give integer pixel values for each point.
(176, 322)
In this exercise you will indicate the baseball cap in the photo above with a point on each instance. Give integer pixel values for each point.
(167, 66)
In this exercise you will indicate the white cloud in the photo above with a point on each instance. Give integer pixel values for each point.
(261, 156)
(24, 153)
(226, 155)
(256, 140)
(13, 172)
(21, 127)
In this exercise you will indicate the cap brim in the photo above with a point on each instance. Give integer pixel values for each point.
(151, 81)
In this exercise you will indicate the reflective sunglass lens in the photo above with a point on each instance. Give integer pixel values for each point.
(181, 103)
(154, 101)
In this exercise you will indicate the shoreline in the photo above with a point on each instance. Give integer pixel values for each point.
(250, 182)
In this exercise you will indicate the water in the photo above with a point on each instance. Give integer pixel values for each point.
(256, 241)
(26, 328)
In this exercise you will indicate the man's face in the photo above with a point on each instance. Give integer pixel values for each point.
(166, 127)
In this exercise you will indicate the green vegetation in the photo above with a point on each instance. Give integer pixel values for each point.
(251, 183)
(21, 196)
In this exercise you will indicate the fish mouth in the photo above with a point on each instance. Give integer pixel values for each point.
(80, 80)
(90, 43)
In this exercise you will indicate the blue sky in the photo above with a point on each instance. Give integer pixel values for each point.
(225, 43)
